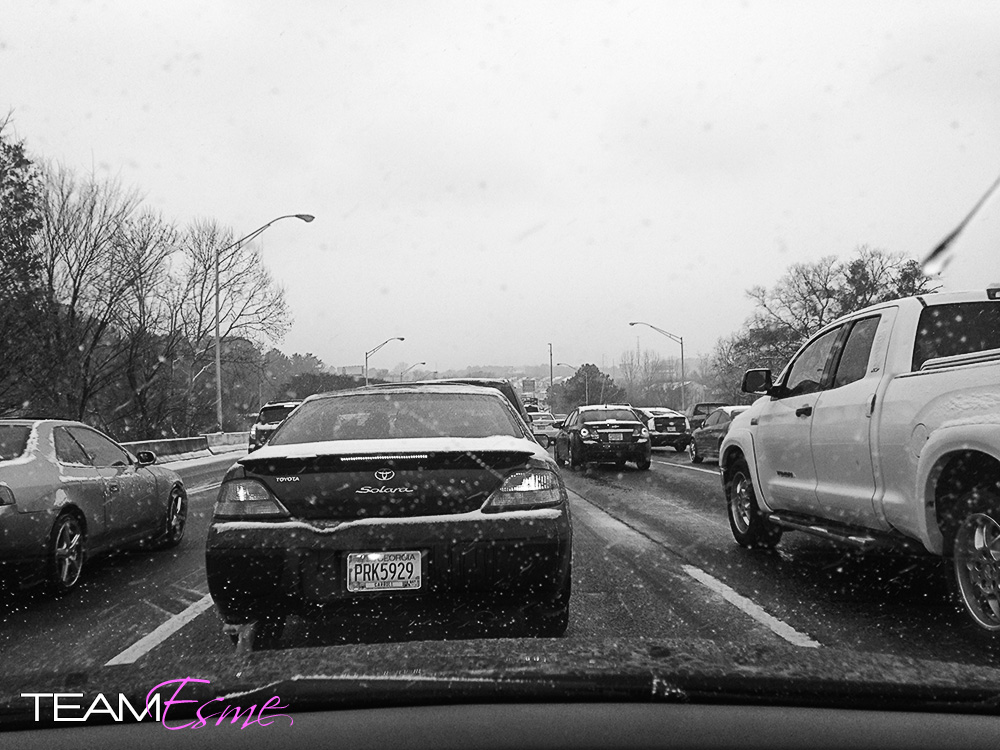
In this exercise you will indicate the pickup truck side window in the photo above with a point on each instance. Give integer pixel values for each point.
(854, 359)
(958, 328)
(809, 372)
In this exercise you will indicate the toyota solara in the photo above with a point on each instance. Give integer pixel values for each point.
(405, 499)
(68, 492)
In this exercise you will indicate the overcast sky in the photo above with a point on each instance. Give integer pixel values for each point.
(490, 178)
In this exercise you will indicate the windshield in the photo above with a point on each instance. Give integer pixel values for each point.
(13, 440)
(397, 415)
(210, 212)
(274, 414)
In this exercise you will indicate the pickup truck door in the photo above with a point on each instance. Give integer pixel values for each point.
(842, 424)
(783, 433)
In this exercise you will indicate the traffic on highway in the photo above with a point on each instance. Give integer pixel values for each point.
(520, 374)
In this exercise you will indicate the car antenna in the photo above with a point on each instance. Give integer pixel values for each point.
(936, 261)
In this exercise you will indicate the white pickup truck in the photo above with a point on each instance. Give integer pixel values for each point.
(883, 429)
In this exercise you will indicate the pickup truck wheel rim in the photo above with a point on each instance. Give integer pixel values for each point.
(977, 568)
(742, 502)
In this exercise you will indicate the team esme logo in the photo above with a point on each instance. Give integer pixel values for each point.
(384, 475)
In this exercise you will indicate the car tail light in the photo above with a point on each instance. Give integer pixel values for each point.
(240, 498)
(534, 488)
(640, 432)
(6, 496)
(588, 434)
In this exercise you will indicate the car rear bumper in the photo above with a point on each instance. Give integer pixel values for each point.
(624, 451)
(293, 567)
(673, 439)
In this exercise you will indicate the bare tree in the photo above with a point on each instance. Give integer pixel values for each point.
(84, 253)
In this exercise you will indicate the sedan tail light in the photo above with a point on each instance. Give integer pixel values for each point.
(522, 490)
(241, 498)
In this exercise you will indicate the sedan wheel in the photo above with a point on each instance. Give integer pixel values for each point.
(693, 451)
(574, 458)
(67, 553)
(977, 569)
(176, 517)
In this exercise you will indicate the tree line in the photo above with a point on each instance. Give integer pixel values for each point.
(107, 309)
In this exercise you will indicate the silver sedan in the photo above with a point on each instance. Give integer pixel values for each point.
(68, 492)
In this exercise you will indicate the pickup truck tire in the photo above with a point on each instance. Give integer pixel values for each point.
(976, 562)
(750, 527)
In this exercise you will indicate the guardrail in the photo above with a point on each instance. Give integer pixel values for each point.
(220, 442)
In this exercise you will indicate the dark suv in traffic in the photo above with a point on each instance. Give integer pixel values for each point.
(271, 415)
(602, 433)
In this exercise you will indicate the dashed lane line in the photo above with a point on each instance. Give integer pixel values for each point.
(157, 636)
(690, 468)
(747, 606)
(778, 627)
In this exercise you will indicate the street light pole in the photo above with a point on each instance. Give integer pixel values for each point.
(218, 336)
(679, 340)
(551, 376)
(372, 351)
(408, 369)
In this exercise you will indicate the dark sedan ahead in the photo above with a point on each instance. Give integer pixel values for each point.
(706, 440)
(603, 433)
(68, 492)
(392, 500)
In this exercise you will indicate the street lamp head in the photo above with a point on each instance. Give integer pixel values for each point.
(305, 217)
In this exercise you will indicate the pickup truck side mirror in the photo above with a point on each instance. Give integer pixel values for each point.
(757, 381)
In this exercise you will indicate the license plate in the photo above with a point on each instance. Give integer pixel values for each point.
(383, 571)
(671, 429)
(615, 437)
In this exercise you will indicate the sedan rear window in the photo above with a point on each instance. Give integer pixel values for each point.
(397, 415)
(13, 441)
(618, 415)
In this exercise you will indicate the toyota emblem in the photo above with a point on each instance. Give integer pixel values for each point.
(385, 475)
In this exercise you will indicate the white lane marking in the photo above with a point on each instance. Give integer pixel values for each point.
(153, 639)
(205, 488)
(780, 628)
(692, 468)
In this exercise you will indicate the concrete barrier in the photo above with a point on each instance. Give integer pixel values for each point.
(219, 439)
(203, 445)
(171, 447)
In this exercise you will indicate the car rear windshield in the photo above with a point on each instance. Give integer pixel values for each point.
(958, 328)
(273, 414)
(606, 415)
(373, 416)
(13, 440)
(706, 408)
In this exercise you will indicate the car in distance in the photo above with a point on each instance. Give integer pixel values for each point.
(271, 415)
(706, 440)
(606, 433)
(404, 497)
(666, 427)
(543, 428)
(699, 412)
(68, 492)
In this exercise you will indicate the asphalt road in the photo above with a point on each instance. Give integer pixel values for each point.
(653, 556)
